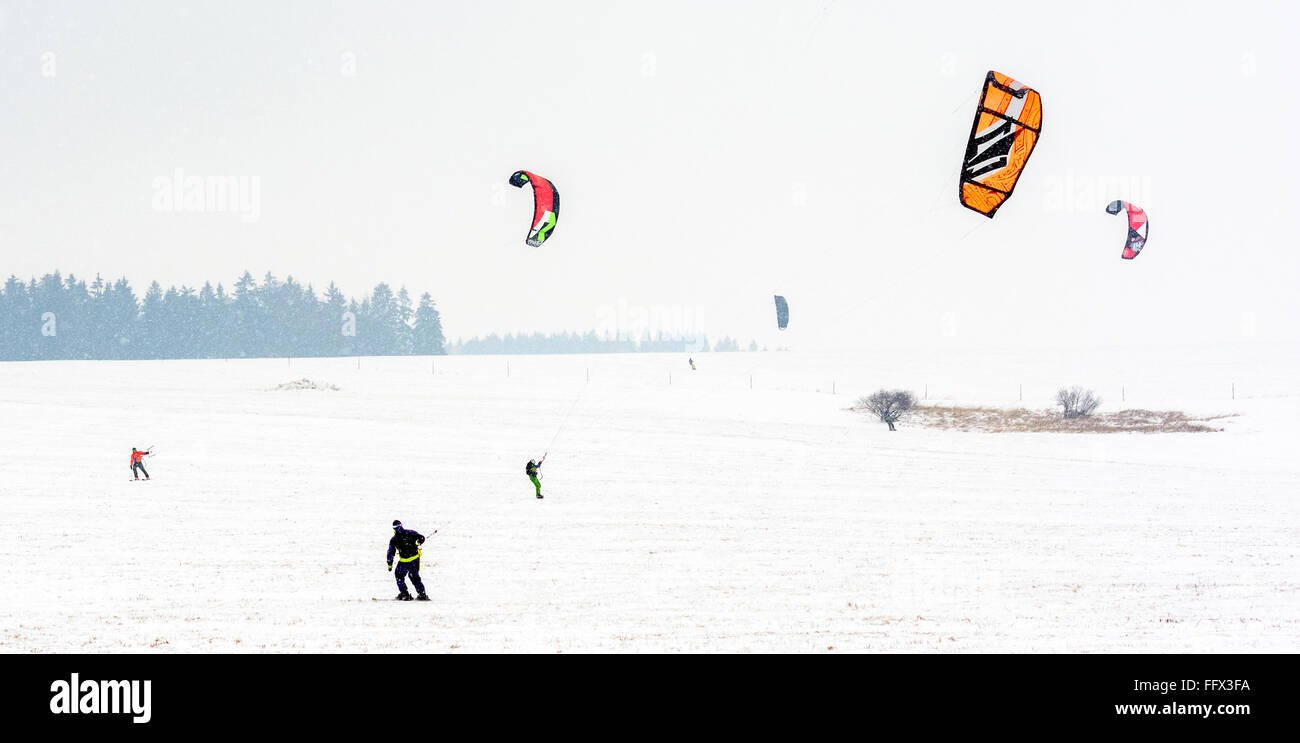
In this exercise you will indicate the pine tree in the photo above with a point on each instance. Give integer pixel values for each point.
(246, 322)
(404, 335)
(152, 324)
(333, 342)
(428, 328)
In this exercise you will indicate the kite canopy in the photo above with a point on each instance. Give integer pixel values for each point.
(1006, 128)
(1138, 227)
(546, 205)
(782, 312)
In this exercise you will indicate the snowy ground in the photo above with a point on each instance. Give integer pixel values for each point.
(696, 515)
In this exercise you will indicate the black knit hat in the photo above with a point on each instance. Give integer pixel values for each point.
(396, 523)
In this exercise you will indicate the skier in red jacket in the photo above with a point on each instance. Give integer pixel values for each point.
(137, 460)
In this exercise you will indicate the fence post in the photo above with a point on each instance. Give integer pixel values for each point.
(1022, 392)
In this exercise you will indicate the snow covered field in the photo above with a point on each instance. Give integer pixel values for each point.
(685, 511)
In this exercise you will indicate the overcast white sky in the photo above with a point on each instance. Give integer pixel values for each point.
(708, 154)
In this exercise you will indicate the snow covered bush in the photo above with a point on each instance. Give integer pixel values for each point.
(306, 384)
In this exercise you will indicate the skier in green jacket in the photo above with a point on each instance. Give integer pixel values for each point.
(533, 470)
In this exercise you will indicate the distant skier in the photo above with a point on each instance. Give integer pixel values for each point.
(692, 363)
(533, 470)
(137, 462)
(406, 543)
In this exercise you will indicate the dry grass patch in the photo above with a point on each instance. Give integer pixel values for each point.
(1023, 420)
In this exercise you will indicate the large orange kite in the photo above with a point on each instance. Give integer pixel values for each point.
(1006, 128)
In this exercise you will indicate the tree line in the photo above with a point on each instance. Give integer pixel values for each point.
(66, 318)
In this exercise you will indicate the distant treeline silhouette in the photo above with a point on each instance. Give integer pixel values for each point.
(64, 318)
(588, 342)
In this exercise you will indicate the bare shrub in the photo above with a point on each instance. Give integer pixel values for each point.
(1076, 402)
(889, 405)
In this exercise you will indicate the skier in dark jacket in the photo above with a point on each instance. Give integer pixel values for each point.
(533, 470)
(137, 461)
(406, 543)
